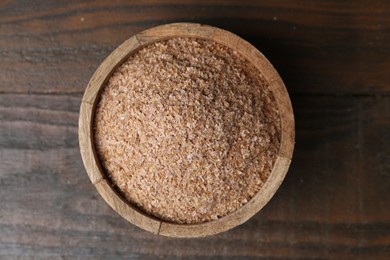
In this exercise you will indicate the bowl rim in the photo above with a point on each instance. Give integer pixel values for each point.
(104, 186)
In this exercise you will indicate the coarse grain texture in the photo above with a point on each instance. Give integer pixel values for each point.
(334, 57)
(187, 130)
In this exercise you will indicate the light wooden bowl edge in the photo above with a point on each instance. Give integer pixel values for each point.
(92, 164)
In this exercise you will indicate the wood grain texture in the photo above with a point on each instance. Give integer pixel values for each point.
(333, 203)
(332, 55)
(69, 39)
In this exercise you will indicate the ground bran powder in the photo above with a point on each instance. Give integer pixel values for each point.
(187, 130)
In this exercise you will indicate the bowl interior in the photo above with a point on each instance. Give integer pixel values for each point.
(93, 166)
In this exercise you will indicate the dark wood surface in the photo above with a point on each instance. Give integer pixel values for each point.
(335, 59)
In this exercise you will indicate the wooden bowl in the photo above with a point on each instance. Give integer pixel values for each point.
(103, 185)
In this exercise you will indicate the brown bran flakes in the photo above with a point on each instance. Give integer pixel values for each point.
(187, 130)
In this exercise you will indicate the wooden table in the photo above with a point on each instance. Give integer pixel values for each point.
(335, 59)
